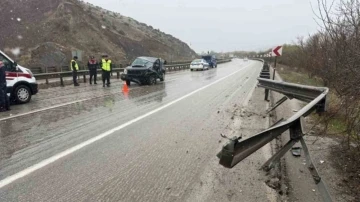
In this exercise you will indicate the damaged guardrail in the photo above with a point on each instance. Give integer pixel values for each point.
(235, 151)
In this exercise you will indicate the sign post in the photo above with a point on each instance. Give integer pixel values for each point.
(277, 51)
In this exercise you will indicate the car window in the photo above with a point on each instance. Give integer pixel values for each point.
(7, 63)
(197, 61)
(157, 64)
(139, 62)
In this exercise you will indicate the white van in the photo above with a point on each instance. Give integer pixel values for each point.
(20, 81)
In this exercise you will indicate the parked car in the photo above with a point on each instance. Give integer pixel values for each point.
(20, 81)
(199, 64)
(144, 70)
(211, 59)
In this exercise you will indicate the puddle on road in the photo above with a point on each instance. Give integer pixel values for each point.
(24, 131)
(45, 102)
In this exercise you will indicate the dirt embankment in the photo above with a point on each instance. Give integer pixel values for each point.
(334, 164)
(47, 32)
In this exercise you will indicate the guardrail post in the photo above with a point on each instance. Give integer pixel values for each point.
(267, 94)
(61, 81)
(46, 80)
(84, 75)
(117, 75)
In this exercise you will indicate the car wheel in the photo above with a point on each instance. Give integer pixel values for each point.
(22, 94)
(128, 82)
(152, 80)
(162, 77)
(191, 70)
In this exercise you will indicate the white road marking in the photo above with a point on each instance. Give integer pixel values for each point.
(43, 109)
(62, 105)
(71, 150)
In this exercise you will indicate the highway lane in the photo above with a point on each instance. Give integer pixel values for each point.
(64, 95)
(155, 158)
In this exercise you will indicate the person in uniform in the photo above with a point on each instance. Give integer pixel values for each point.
(74, 68)
(4, 100)
(106, 67)
(92, 65)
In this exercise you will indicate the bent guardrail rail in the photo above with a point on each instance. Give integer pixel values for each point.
(83, 73)
(235, 151)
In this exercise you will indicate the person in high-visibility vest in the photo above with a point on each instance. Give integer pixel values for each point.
(106, 67)
(74, 68)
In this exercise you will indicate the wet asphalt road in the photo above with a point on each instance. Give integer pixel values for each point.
(155, 158)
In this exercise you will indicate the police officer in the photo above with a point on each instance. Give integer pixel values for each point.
(92, 65)
(106, 67)
(74, 68)
(4, 100)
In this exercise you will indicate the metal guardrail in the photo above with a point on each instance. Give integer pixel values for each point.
(117, 71)
(64, 68)
(235, 151)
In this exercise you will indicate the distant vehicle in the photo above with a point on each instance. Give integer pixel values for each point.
(199, 64)
(211, 60)
(245, 59)
(144, 70)
(20, 81)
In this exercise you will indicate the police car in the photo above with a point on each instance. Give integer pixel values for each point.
(20, 81)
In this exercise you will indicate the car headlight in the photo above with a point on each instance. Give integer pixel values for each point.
(125, 71)
(29, 72)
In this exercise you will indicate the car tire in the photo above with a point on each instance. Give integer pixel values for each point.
(22, 94)
(191, 70)
(152, 80)
(128, 82)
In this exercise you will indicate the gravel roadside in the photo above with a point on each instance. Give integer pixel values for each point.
(297, 180)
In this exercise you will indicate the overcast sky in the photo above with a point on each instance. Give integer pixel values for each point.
(223, 25)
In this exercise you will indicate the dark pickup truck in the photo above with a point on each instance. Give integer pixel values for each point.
(211, 60)
(144, 70)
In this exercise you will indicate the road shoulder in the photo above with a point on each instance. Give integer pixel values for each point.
(244, 182)
(298, 181)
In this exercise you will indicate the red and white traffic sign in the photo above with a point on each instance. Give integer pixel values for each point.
(277, 51)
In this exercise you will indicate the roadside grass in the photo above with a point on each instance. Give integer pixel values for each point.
(295, 75)
(336, 124)
(344, 158)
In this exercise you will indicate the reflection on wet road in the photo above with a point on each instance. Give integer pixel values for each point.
(61, 118)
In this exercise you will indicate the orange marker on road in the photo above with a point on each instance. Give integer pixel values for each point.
(125, 90)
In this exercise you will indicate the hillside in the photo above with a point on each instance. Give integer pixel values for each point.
(48, 31)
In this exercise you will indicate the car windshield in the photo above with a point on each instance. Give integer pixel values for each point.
(140, 62)
(197, 61)
(207, 58)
